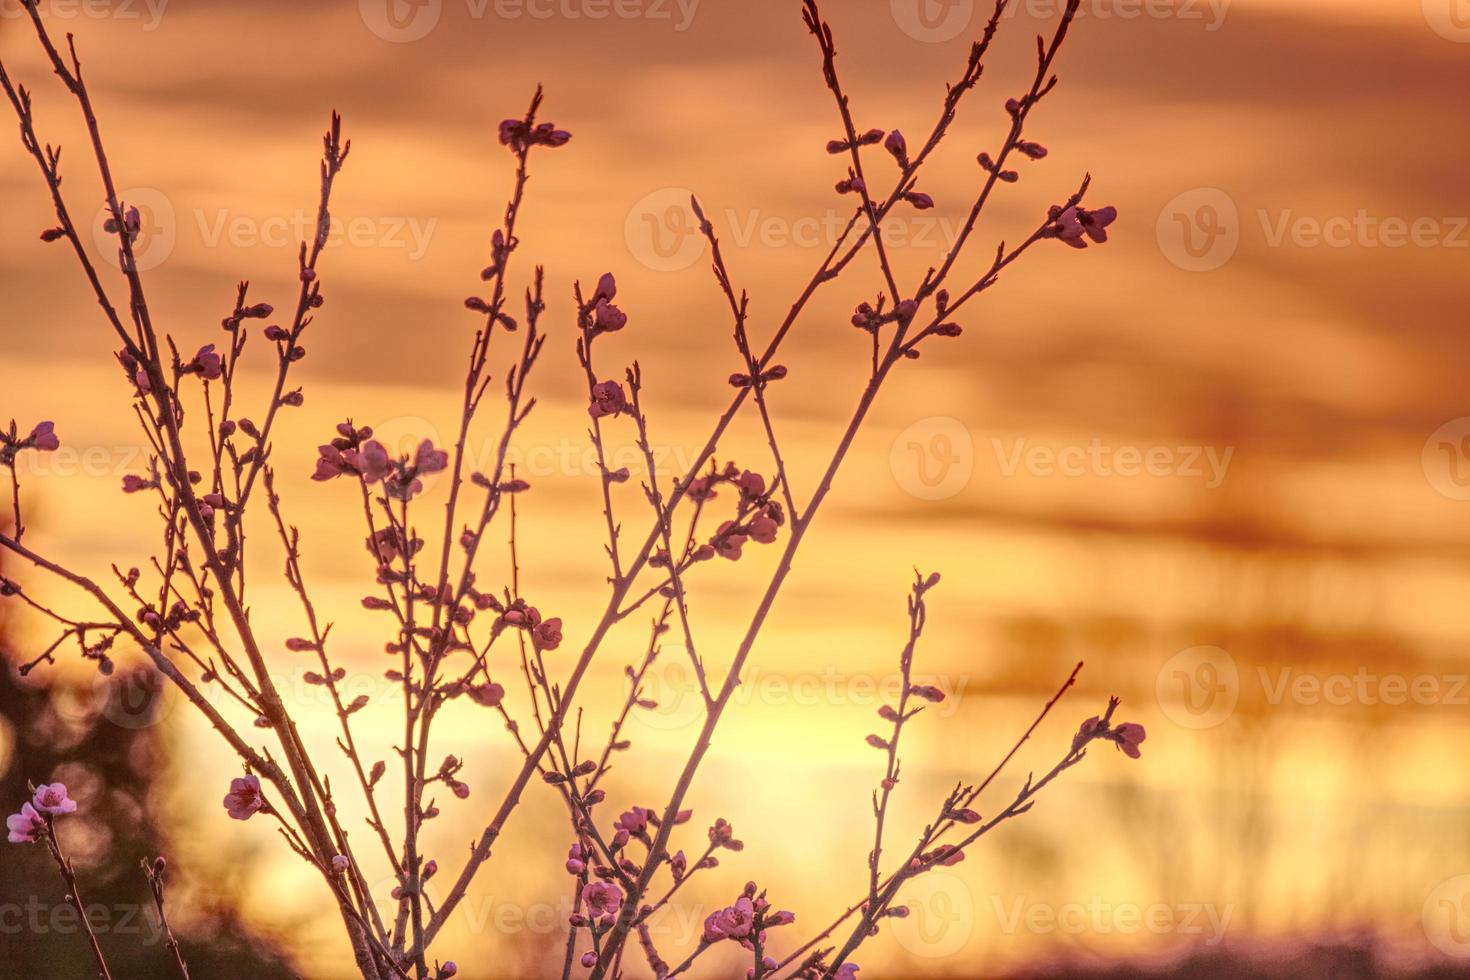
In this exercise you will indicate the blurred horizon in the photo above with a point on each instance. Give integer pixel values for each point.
(1224, 459)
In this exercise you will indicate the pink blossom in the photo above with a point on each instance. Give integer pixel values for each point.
(728, 541)
(488, 695)
(603, 899)
(244, 799)
(733, 922)
(607, 399)
(430, 460)
(547, 635)
(607, 317)
(27, 826)
(330, 465)
(132, 483)
(576, 864)
(371, 462)
(340, 864)
(634, 821)
(1075, 224)
(52, 799)
(607, 288)
(1129, 736)
(207, 363)
(847, 971)
(43, 437)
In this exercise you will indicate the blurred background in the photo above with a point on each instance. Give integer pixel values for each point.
(1225, 459)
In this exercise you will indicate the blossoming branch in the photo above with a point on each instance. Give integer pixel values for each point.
(451, 633)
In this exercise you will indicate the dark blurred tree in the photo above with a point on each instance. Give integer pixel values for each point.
(97, 737)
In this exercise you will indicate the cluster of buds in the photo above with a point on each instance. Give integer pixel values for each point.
(774, 373)
(758, 518)
(520, 135)
(870, 318)
(355, 452)
(872, 136)
(545, 634)
(131, 224)
(1127, 736)
(598, 314)
(746, 922)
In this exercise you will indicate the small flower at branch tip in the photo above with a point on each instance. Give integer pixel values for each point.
(1074, 225)
(607, 288)
(520, 136)
(448, 970)
(608, 398)
(207, 364)
(608, 318)
(847, 971)
(244, 799)
(920, 200)
(51, 798)
(931, 694)
(25, 827)
(547, 635)
(897, 147)
(43, 438)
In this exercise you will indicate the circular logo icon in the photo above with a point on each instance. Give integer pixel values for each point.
(672, 686)
(401, 21)
(1447, 917)
(934, 458)
(157, 232)
(932, 21)
(1450, 19)
(1446, 459)
(662, 232)
(403, 435)
(136, 698)
(941, 919)
(1199, 231)
(1199, 687)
